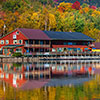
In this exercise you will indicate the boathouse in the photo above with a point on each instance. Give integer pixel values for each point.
(35, 41)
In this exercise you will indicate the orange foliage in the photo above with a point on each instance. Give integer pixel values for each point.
(64, 7)
(86, 9)
(16, 13)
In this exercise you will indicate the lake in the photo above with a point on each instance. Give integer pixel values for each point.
(50, 80)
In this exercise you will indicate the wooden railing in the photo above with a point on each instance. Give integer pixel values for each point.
(65, 54)
(36, 45)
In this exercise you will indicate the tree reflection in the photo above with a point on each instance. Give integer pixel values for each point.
(86, 91)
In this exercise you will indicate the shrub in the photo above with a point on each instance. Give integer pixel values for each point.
(17, 64)
(17, 54)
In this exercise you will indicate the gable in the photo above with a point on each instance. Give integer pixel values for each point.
(10, 36)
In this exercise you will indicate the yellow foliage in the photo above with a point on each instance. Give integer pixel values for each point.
(81, 11)
(52, 20)
(95, 13)
(34, 16)
(52, 93)
(1, 23)
(65, 6)
(86, 9)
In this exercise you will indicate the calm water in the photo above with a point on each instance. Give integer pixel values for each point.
(62, 80)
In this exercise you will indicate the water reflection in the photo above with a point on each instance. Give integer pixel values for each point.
(71, 80)
(39, 74)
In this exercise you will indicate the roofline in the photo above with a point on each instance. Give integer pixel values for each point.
(13, 31)
(7, 33)
(93, 40)
(22, 33)
(74, 39)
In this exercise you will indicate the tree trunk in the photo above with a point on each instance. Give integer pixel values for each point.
(45, 25)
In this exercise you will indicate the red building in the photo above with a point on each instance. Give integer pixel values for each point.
(36, 41)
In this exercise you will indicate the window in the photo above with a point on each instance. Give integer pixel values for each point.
(41, 42)
(46, 50)
(5, 51)
(14, 41)
(2, 41)
(41, 50)
(47, 42)
(65, 43)
(53, 50)
(20, 41)
(70, 43)
(7, 41)
(18, 50)
(36, 50)
(69, 49)
(17, 33)
(30, 41)
(14, 36)
(74, 43)
(26, 41)
(36, 42)
(59, 49)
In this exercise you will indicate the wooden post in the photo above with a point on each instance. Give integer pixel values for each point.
(28, 53)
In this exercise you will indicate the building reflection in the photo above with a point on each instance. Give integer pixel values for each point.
(40, 73)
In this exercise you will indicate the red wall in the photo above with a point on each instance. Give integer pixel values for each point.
(10, 38)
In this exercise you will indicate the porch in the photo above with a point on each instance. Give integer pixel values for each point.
(8, 50)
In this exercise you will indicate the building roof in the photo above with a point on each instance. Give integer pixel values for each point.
(34, 34)
(34, 84)
(68, 36)
(37, 34)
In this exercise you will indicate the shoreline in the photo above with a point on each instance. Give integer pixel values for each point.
(37, 59)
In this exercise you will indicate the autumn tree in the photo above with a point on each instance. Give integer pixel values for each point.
(12, 5)
(76, 5)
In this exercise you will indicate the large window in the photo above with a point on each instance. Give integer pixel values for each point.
(30, 41)
(65, 43)
(26, 41)
(70, 43)
(41, 42)
(47, 41)
(14, 41)
(41, 50)
(7, 41)
(37, 42)
(18, 50)
(36, 50)
(2, 41)
(59, 49)
(74, 43)
(5, 51)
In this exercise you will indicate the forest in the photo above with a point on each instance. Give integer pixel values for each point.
(51, 15)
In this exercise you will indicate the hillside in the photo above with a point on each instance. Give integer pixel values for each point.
(54, 2)
(50, 15)
(90, 2)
